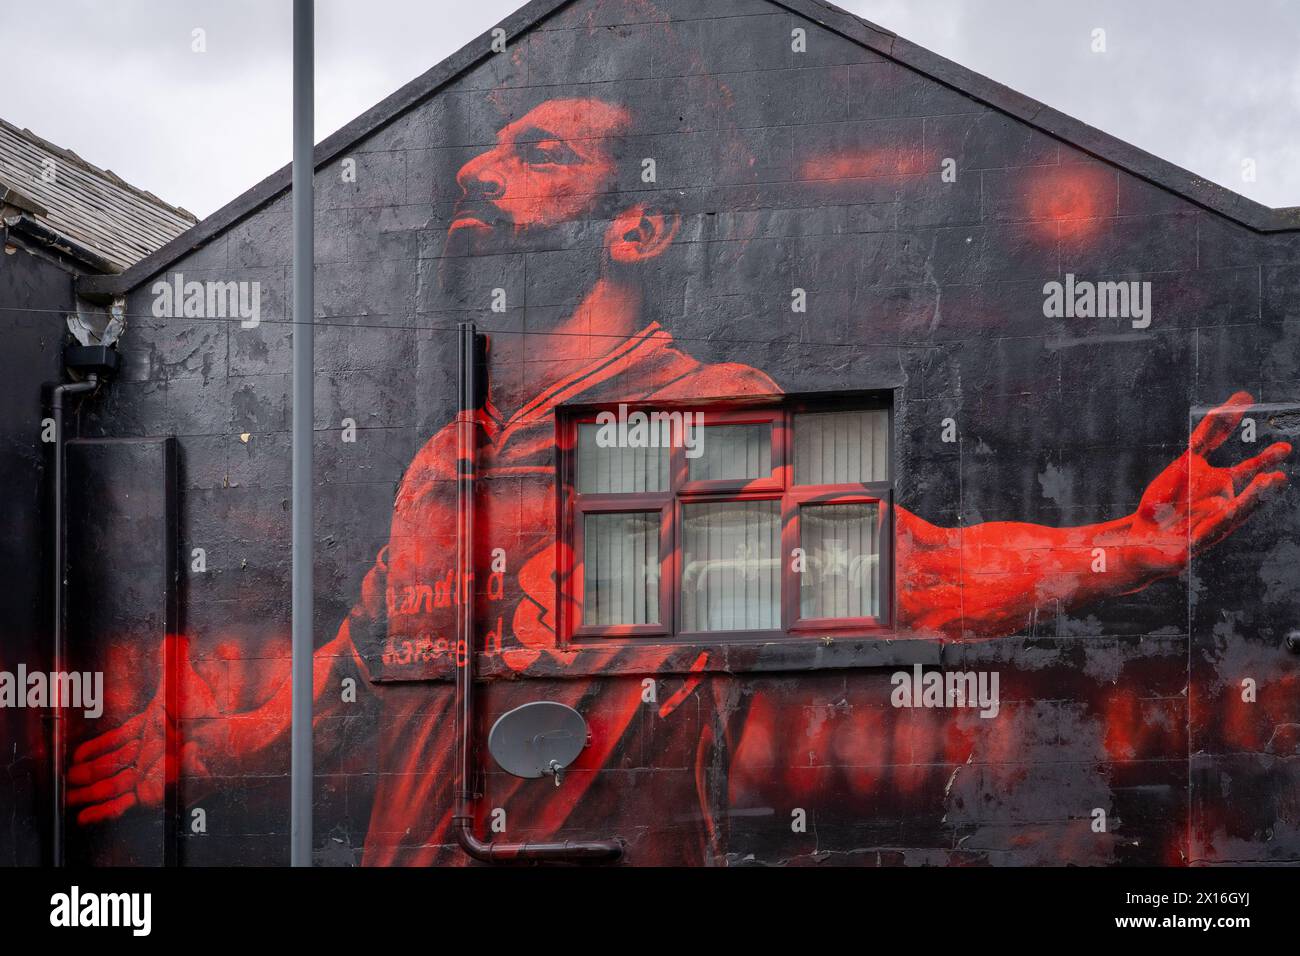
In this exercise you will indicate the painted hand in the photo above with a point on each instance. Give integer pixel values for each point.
(126, 766)
(1193, 505)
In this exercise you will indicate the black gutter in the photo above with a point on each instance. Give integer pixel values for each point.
(40, 233)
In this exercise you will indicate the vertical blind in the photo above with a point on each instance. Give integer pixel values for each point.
(842, 546)
(731, 568)
(621, 568)
(731, 559)
(732, 452)
(612, 470)
(833, 448)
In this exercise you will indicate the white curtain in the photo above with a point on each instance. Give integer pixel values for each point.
(842, 546)
(731, 551)
(731, 573)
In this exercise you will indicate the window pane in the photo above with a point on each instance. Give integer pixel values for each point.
(731, 452)
(842, 546)
(604, 470)
(620, 568)
(832, 448)
(731, 566)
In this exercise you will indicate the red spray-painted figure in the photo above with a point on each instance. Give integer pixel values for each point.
(551, 169)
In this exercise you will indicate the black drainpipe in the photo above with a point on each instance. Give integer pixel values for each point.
(605, 851)
(59, 735)
(96, 362)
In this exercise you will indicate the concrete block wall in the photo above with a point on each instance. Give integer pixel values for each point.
(818, 170)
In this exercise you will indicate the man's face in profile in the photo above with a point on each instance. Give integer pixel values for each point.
(548, 168)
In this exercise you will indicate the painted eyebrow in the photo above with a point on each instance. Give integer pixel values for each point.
(534, 134)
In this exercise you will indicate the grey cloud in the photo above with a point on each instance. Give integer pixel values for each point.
(1200, 83)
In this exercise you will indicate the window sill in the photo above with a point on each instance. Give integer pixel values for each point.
(648, 657)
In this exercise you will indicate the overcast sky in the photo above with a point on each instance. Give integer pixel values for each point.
(1202, 83)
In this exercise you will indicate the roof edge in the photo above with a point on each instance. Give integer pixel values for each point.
(1196, 189)
(9, 196)
(391, 108)
(84, 164)
(50, 238)
(1074, 132)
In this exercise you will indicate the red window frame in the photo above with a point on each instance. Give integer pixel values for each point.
(776, 486)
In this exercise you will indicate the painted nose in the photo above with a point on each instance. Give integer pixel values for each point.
(481, 178)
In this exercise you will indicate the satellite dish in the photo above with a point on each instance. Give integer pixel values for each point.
(538, 738)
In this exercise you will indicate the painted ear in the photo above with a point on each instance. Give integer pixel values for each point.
(640, 233)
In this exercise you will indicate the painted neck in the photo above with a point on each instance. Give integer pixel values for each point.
(603, 320)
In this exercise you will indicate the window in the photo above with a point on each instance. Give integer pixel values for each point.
(726, 523)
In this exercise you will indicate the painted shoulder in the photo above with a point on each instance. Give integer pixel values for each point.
(720, 380)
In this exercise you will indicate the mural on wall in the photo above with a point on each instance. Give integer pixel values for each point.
(553, 174)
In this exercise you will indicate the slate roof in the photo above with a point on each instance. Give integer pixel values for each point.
(82, 206)
(1089, 139)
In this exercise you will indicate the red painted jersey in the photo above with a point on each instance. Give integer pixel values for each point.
(406, 619)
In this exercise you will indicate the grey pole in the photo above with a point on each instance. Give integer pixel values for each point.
(300, 759)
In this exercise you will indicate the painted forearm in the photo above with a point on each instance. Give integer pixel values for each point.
(252, 732)
(992, 579)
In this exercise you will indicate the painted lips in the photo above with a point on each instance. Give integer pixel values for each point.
(467, 216)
